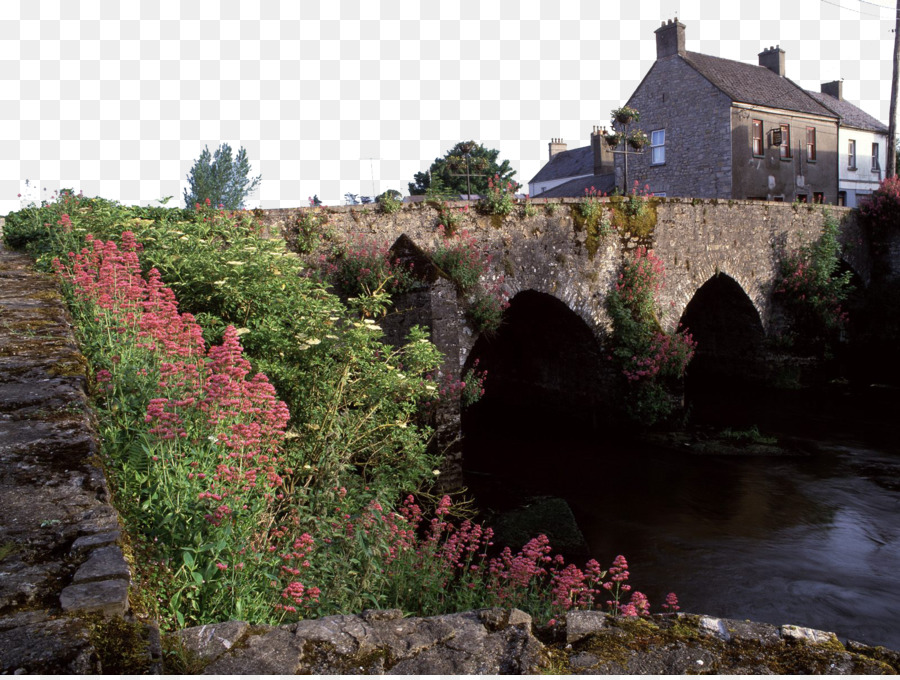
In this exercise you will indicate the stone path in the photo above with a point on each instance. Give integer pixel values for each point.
(59, 558)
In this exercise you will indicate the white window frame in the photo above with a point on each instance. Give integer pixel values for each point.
(658, 146)
(875, 165)
(851, 154)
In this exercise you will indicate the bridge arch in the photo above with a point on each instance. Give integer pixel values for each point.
(545, 365)
(729, 332)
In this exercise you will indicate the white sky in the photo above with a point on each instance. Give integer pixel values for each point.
(336, 96)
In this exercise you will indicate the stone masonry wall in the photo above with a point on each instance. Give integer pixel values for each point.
(546, 252)
(59, 552)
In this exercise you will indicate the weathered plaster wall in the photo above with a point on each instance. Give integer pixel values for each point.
(769, 175)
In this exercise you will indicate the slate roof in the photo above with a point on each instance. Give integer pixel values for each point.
(569, 163)
(751, 84)
(851, 115)
(574, 188)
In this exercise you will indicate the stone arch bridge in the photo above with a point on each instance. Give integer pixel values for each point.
(720, 260)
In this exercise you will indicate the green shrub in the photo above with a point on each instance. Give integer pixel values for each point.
(813, 291)
(499, 198)
(651, 362)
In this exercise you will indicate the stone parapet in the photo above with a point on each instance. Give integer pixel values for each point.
(59, 556)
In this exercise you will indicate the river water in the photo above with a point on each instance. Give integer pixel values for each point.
(811, 539)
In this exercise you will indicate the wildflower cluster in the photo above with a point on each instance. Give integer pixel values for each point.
(500, 197)
(436, 566)
(649, 359)
(209, 428)
(460, 257)
(452, 217)
(241, 505)
(636, 202)
(468, 390)
(812, 290)
(364, 266)
(880, 211)
(590, 207)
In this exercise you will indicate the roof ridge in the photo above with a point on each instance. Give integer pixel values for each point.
(752, 84)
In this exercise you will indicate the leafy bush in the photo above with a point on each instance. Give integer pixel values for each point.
(812, 290)
(364, 266)
(881, 211)
(310, 230)
(499, 198)
(460, 257)
(390, 202)
(243, 506)
(650, 360)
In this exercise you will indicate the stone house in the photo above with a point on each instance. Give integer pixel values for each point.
(720, 128)
(569, 172)
(862, 145)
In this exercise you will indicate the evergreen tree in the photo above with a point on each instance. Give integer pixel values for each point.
(220, 178)
(451, 171)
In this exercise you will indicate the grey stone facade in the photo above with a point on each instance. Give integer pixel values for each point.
(707, 105)
(696, 117)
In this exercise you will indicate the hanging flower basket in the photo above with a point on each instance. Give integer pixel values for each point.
(612, 139)
(625, 115)
(638, 140)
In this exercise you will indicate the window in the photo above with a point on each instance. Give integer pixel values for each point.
(818, 197)
(657, 147)
(851, 154)
(757, 145)
(811, 144)
(875, 166)
(842, 198)
(785, 141)
(801, 198)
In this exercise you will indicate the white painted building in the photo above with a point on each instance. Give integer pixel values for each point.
(862, 146)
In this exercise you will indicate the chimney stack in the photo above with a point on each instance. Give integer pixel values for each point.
(604, 163)
(773, 59)
(835, 88)
(557, 145)
(669, 39)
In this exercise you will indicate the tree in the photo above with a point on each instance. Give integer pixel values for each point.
(464, 169)
(220, 178)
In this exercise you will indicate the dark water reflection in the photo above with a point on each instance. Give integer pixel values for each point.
(809, 540)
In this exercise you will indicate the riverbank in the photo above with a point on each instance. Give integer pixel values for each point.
(64, 606)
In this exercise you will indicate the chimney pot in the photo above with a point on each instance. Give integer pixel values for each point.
(773, 59)
(556, 146)
(670, 39)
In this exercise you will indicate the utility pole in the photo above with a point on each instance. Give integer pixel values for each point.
(467, 150)
(892, 124)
